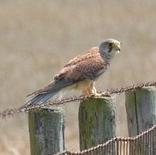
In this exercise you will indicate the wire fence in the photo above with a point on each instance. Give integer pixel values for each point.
(27, 107)
(142, 144)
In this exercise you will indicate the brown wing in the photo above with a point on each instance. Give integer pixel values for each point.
(87, 66)
(83, 57)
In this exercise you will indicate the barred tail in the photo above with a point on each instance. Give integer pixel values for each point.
(40, 98)
(45, 94)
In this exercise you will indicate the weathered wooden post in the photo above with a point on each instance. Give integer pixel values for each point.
(141, 115)
(96, 121)
(141, 109)
(46, 128)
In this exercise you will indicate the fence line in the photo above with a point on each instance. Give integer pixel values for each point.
(142, 144)
(26, 107)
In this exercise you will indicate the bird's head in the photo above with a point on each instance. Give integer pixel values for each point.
(109, 47)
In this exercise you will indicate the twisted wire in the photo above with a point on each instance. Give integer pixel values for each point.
(26, 108)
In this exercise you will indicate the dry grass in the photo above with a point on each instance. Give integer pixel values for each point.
(38, 37)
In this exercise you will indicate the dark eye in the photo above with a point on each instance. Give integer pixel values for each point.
(110, 47)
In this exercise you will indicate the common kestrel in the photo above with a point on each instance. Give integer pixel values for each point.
(80, 72)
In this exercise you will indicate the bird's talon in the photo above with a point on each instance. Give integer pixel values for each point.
(107, 94)
(96, 95)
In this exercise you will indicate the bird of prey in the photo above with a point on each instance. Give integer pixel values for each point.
(80, 72)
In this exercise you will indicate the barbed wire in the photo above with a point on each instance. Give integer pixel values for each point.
(57, 102)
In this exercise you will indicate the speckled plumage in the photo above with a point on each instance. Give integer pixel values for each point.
(80, 72)
(87, 66)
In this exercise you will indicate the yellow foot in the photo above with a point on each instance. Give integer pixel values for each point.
(96, 95)
(106, 93)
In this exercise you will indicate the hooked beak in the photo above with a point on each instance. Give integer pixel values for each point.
(118, 51)
(118, 48)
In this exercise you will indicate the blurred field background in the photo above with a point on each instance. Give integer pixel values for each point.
(38, 37)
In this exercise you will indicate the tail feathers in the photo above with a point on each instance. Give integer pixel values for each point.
(45, 94)
(45, 90)
(40, 98)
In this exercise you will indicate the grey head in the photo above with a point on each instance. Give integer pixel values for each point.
(109, 47)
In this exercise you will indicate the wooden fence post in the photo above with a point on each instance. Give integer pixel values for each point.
(96, 121)
(46, 128)
(141, 115)
(141, 109)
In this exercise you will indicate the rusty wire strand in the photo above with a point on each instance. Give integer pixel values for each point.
(26, 108)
